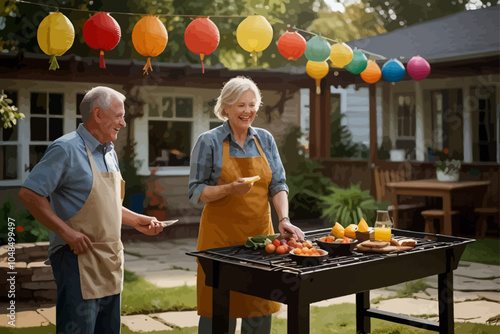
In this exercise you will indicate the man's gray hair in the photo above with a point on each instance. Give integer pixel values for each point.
(99, 96)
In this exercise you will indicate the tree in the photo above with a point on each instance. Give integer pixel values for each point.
(396, 14)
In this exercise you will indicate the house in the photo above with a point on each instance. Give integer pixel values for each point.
(166, 111)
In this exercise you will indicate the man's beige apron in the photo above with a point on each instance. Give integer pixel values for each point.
(229, 221)
(100, 219)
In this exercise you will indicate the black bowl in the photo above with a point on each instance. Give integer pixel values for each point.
(337, 249)
(312, 260)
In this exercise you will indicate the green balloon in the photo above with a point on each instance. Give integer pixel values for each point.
(358, 63)
(317, 49)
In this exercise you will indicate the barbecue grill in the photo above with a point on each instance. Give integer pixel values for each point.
(279, 278)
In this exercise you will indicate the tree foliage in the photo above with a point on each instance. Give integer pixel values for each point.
(396, 13)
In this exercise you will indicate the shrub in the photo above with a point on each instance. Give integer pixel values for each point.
(33, 230)
(305, 182)
(348, 206)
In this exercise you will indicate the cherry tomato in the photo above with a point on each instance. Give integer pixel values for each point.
(270, 248)
(276, 243)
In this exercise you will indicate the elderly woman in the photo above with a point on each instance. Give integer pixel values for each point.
(235, 210)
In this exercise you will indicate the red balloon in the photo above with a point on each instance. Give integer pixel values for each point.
(291, 45)
(202, 37)
(103, 33)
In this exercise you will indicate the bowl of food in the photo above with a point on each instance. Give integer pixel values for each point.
(337, 247)
(308, 256)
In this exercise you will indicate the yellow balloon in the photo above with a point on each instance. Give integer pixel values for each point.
(317, 70)
(340, 55)
(55, 36)
(254, 34)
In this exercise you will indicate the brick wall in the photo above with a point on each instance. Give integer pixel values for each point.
(34, 280)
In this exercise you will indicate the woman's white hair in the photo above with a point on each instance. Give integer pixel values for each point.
(232, 91)
(99, 96)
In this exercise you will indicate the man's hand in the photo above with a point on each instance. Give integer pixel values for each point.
(149, 226)
(240, 187)
(78, 242)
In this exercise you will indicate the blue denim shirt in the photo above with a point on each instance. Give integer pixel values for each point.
(64, 174)
(206, 158)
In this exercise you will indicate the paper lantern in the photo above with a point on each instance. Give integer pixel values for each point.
(291, 45)
(393, 70)
(149, 38)
(254, 34)
(55, 36)
(318, 49)
(358, 63)
(340, 55)
(418, 68)
(102, 32)
(317, 71)
(372, 72)
(202, 37)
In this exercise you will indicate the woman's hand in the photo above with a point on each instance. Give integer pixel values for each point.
(286, 227)
(240, 187)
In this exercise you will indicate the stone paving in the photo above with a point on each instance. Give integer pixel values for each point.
(165, 264)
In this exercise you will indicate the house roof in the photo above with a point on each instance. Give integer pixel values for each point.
(464, 35)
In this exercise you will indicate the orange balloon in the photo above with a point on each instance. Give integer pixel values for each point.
(372, 72)
(149, 38)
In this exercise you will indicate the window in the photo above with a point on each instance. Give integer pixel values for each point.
(9, 150)
(447, 126)
(406, 118)
(170, 128)
(46, 123)
(79, 98)
(484, 122)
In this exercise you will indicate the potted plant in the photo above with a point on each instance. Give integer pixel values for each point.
(448, 170)
(447, 167)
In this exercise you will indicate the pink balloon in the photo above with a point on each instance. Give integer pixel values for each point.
(418, 68)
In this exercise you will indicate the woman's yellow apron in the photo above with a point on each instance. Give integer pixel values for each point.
(100, 219)
(229, 221)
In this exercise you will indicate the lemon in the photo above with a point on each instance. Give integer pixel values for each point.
(338, 231)
(362, 226)
(350, 231)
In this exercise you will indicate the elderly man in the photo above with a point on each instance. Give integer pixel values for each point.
(76, 191)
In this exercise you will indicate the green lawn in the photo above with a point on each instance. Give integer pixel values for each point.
(486, 251)
(339, 319)
(139, 297)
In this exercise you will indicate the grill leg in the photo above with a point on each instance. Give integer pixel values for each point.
(298, 318)
(220, 309)
(362, 320)
(445, 289)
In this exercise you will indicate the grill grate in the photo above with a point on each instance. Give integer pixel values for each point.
(271, 262)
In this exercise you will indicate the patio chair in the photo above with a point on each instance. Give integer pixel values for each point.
(408, 204)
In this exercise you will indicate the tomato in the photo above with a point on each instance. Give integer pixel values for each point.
(270, 248)
(345, 240)
(282, 249)
(276, 243)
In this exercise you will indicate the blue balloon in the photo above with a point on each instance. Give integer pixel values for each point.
(393, 70)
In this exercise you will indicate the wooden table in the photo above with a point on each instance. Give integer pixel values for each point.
(435, 188)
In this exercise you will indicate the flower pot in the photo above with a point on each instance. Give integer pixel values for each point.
(398, 155)
(451, 176)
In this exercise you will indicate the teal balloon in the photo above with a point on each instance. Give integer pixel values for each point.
(393, 70)
(358, 62)
(317, 49)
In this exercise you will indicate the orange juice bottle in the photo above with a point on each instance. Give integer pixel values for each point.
(383, 226)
